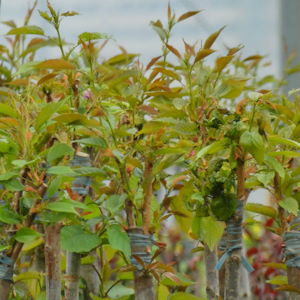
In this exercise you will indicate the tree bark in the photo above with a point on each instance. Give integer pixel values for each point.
(143, 285)
(143, 281)
(73, 276)
(233, 263)
(52, 262)
(212, 276)
(234, 242)
(90, 276)
(245, 289)
(5, 285)
(4, 289)
(293, 272)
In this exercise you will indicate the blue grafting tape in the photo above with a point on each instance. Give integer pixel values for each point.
(46, 197)
(292, 248)
(6, 267)
(80, 161)
(140, 240)
(233, 229)
(81, 184)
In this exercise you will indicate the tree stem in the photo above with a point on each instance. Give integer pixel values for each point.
(148, 178)
(52, 262)
(212, 276)
(73, 276)
(143, 281)
(234, 238)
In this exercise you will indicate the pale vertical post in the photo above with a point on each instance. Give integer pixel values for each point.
(289, 19)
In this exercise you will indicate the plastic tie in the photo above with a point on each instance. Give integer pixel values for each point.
(292, 248)
(81, 184)
(233, 229)
(6, 267)
(142, 241)
(80, 161)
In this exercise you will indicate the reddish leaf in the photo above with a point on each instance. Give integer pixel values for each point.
(288, 288)
(169, 11)
(20, 81)
(172, 276)
(149, 109)
(212, 38)
(203, 53)
(139, 260)
(152, 62)
(222, 62)
(168, 72)
(155, 274)
(56, 64)
(46, 78)
(232, 51)
(166, 268)
(174, 51)
(188, 15)
(253, 57)
(189, 49)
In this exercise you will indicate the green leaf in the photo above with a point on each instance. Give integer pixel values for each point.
(261, 209)
(162, 292)
(26, 235)
(208, 229)
(7, 110)
(46, 113)
(275, 165)
(254, 96)
(284, 153)
(26, 68)
(276, 139)
(45, 15)
(253, 143)
(93, 141)
(89, 171)
(75, 239)
(8, 216)
(118, 239)
(7, 176)
(29, 29)
(290, 204)
(266, 178)
(114, 203)
(4, 146)
(177, 279)
(90, 36)
(213, 148)
(20, 163)
(67, 118)
(182, 295)
(59, 150)
(28, 276)
(119, 291)
(278, 280)
(13, 185)
(62, 206)
(61, 170)
(54, 186)
(121, 58)
(70, 14)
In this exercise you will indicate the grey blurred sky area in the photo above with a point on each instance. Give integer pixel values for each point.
(252, 23)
